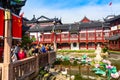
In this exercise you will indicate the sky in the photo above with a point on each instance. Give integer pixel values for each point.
(70, 11)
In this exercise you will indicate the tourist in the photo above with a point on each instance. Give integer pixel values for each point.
(42, 49)
(47, 47)
(36, 49)
(16, 50)
(21, 54)
(30, 52)
(14, 57)
(13, 54)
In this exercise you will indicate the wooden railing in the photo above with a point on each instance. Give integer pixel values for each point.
(51, 58)
(23, 68)
(28, 68)
(1, 68)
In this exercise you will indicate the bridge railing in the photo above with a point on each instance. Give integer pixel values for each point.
(23, 68)
(51, 57)
(28, 68)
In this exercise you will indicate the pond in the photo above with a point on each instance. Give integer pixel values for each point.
(86, 73)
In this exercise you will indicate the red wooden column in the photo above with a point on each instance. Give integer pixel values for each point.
(102, 36)
(51, 37)
(79, 39)
(86, 39)
(95, 38)
(42, 37)
(69, 37)
(60, 38)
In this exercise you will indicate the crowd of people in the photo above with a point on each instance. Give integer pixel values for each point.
(18, 53)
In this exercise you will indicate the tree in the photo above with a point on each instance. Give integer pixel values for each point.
(26, 40)
(14, 5)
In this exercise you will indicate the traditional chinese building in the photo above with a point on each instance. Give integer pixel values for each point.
(114, 38)
(85, 34)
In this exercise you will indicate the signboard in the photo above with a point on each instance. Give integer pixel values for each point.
(16, 27)
(1, 22)
(114, 28)
(118, 26)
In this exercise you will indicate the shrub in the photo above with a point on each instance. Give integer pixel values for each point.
(57, 62)
(104, 50)
(66, 63)
(75, 63)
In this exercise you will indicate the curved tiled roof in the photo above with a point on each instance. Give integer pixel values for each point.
(64, 27)
(114, 37)
(112, 19)
(73, 28)
(91, 24)
(36, 28)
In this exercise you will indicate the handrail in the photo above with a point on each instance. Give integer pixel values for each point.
(28, 68)
(1, 67)
(23, 67)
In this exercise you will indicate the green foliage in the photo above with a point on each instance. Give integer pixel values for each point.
(79, 77)
(105, 50)
(67, 62)
(25, 40)
(114, 52)
(57, 62)
(75, 63)
(42, 71)
(78, 51)
(33, 39)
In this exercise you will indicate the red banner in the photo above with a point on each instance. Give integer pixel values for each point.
(16, 27)
(1, 22)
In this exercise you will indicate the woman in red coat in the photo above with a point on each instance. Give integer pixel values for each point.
(21, 54)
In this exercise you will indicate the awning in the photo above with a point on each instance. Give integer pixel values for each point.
(114, 37)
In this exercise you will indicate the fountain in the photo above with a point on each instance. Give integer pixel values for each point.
(98, 51)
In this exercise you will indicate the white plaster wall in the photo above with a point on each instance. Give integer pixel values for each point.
(36, 35)
(74, 48)
(39, 36)
(33, 33)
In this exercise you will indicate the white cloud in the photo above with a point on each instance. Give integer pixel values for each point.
(75, 14)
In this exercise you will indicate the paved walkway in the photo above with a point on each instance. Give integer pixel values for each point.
(114, 56)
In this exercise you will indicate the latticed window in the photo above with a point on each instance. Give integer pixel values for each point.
(106, 34)
(91, 35)
(83, 35)
(91, 44)
(99, 34)
(82, 44)
(65, 35)
(74, 36)
(47, 36)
